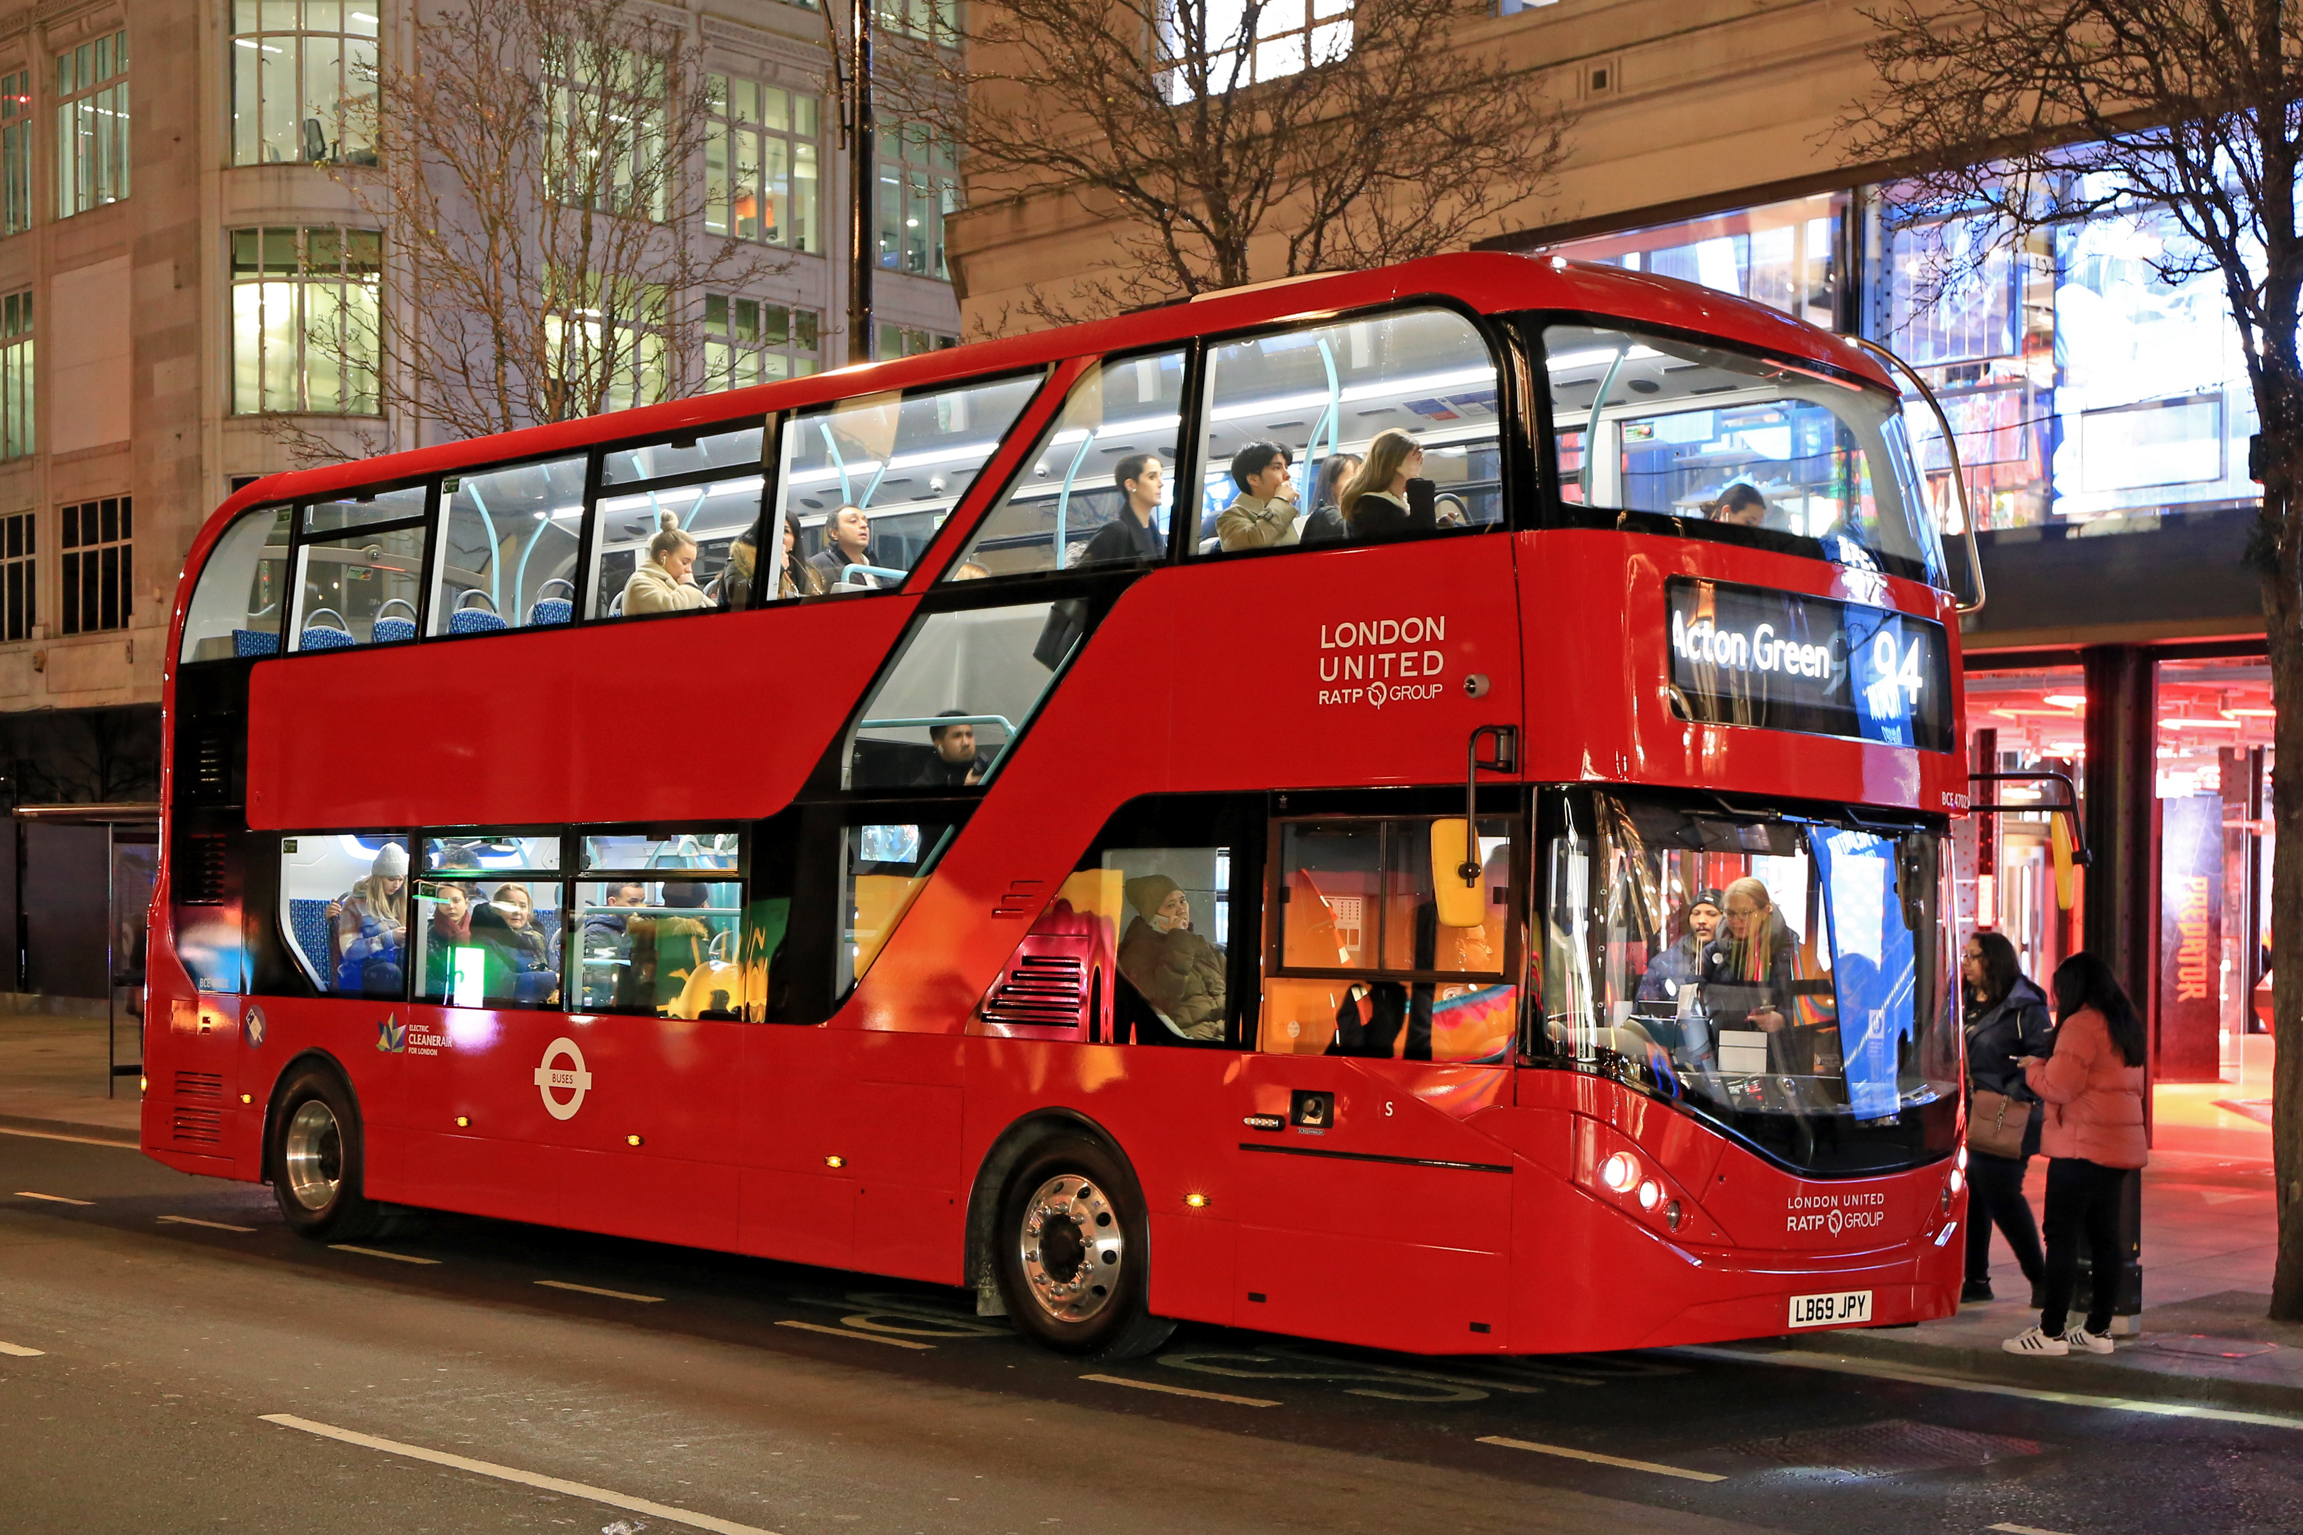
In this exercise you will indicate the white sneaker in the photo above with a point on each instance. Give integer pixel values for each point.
(2093, 1342)
(2032, 1341)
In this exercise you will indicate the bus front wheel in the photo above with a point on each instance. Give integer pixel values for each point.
(316, 1159)
(1073, 1256)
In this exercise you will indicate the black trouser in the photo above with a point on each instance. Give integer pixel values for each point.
(2082, 1196)
(1995, 1198)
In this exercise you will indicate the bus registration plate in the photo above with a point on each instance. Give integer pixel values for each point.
(1827, 1310)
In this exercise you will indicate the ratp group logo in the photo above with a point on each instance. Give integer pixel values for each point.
(392, 1035)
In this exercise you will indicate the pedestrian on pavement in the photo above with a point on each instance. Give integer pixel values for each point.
(2093, 1137)
(2006, 1020)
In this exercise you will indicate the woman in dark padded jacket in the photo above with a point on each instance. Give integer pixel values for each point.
(2007, 1020)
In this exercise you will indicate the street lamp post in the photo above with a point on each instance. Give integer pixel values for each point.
(862, 183)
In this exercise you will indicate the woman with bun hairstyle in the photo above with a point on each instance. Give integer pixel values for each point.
(666, 580)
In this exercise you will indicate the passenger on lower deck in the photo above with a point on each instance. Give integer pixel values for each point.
(372, 927)
(450, 929)
(665, 581)
(1739, 506)
(519, 957)
(1681, 965)
(1131, 535)
(957, 764)
(1264, 513)
(1178, 972)
(1375, 500)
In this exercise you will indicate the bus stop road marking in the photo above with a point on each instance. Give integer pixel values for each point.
(1843, 1365)
(1205, 1396)
(1603, 1460)
(54, 1199)
(562, 1284)
(19, 1351)
(193, 1220)
(77, 1140)
(860, 1337)
(378, 1252)
(523, 1478)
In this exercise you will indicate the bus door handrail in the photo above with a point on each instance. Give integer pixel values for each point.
(2080, 854)
(1000, 720)
(1896, 364)
(881, 571)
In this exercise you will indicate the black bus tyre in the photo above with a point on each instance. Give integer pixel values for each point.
(1072, 1253)
(316, 1160)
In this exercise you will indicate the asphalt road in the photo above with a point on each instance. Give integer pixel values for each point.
(198, 1368)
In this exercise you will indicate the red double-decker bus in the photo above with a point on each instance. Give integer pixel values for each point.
(1406, 808)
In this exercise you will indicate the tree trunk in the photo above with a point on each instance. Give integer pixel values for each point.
(2283, 626)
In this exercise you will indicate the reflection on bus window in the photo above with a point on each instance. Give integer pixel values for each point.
(884, 865)
(344, 910)
(359, 589)
(1366, 967)
(1650, 424)
(1097, 488)
(677, 549)
(508, 547)
(1293, 417)
(237, 607)
(487, 942)
(492, 852)
(640, 850)
(1786, 979)
(895, 465)
(667, 947)
(365, 509)
(738, 449)
(958, 695)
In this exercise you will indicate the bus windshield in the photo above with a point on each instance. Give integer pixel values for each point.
(1786, 978)
(1648, 423)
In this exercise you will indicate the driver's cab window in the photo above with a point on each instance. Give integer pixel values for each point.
(1355, 432)
(1364, 962)
(865, 483)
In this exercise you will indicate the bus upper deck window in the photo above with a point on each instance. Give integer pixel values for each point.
(1645, 423)
(1098, 487)
(508, 547)
(678, 548)
(360, 569)
(237, 607)
(866, 483)
(1292, 415)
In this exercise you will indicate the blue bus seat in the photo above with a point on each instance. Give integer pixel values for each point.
(308, 925)
(474, 621)
(552, 610)
(321, 637)
(390, 631)
(255, 642)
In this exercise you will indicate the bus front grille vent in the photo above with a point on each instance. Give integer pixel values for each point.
(200, 1084)
(199, 871)
(1039, 989)
(200, 1127)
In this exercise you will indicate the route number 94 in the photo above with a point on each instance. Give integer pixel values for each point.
(1895, 668)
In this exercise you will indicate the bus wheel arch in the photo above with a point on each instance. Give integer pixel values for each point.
(315, 1150)
(1054, 1199)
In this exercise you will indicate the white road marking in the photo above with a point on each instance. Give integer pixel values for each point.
(513, 1474)
(1842, 1365)
(54, 1199)
(77, 1140)
(378, 1252)
(562, 1284)
(1205, 1396)
(19, 1351)
(1602, 1460)
(190, 1220)
(2021, 1529)
(860, 1337)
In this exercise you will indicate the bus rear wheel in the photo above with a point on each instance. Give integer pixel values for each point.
(316, 1159)
(1073, 1256)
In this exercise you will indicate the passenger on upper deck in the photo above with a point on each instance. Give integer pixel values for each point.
(1130, 535)
(1375, 499)
(665, 581)
(1739, 506)
(1264, 513)
(1325, 525)
(1179, 973)
(743, 569)
(799, 577)
(847, 541)
(957, 766)
(372, 926)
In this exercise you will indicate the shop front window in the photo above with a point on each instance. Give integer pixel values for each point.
(1784, 255)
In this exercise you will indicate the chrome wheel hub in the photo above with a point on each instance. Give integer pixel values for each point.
(312, 1155)
(1072, 1249)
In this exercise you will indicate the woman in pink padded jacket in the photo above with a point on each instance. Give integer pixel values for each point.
(2093, 1137)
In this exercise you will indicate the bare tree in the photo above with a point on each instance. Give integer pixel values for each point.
(534, 174)
(2026, 113)
(1236, 140)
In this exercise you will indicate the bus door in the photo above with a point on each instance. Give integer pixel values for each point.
(1382, 1032)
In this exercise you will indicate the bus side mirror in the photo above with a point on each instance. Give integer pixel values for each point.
(1460, 899)
(2059, 846)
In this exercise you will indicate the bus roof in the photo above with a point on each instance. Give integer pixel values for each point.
(1487, 281)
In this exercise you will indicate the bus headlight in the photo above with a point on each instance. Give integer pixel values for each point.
(1619, 1172)
(1649, 1195)
(1958, 1178)
(1961, 1163)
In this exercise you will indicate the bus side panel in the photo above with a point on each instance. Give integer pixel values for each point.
(564, 698)
(192, 1071)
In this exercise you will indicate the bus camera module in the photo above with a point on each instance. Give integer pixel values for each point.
(1311, 1111)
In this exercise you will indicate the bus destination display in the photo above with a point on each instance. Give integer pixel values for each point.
(1746, 655)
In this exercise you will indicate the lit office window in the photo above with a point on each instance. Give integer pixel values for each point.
(92, 125)
(303, 82)
(906, 341)
(304, 320)
(750, 342)
(16, 152)
(929, 20)
(16, 375)
(98, 575)
(760, 167)
(619, 347)
(604, 140)
(919, 187)
(19, 573)
(1216, 48)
